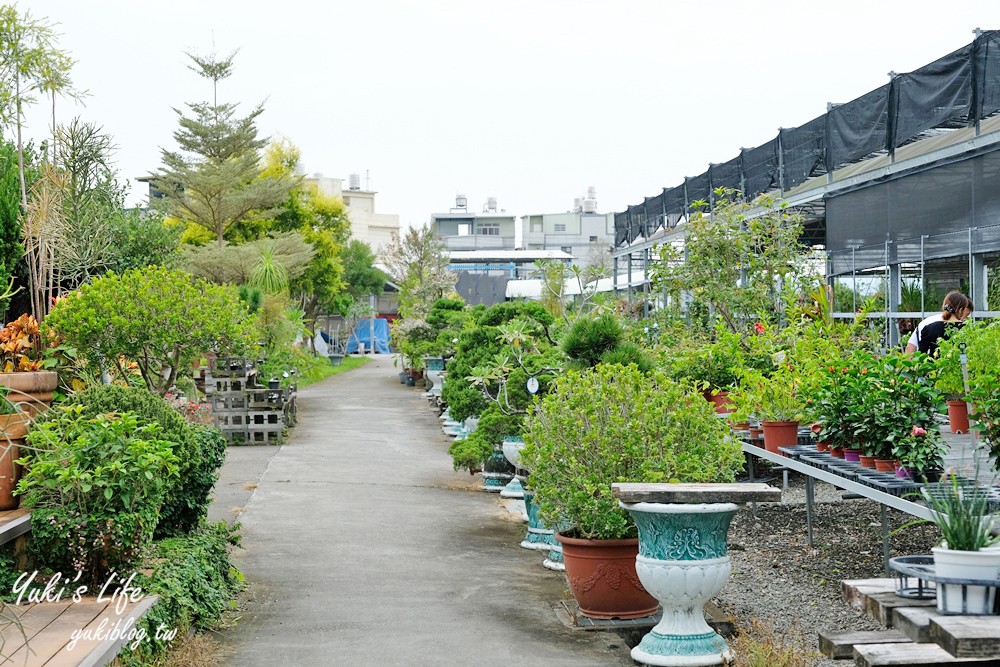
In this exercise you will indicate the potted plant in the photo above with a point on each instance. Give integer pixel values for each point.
(981, 345)
(27, 390)
(613, 423)
(962, 514)
(920, 454)
(779, 402)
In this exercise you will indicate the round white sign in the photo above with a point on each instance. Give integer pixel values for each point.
(533, 385)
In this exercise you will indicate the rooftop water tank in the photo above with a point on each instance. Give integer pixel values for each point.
(354, 182)
(491, 204)
(589, 205)
(460, 201)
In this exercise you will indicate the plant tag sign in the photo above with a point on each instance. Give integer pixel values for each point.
(533, 385)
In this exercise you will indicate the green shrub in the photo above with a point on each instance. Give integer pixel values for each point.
(95, 487)
(614, 424)
(195, 582)
(160, 319)
(588, 340)
(201, 451)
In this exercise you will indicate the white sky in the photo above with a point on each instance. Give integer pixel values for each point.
(530, 101)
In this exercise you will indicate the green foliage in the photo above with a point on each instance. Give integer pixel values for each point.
(11, 248)
(200, 450)
(886, 398)
(471, 451)
(961, 513)
(360, 274)
(215, 179)
(921, 451)
(734, 261)
(588, 340)
(981, 342)
(95, 487)
(614, 424)
(196, 583)
(418, 263)
(140, 239)
(985, 396)
(162, 320)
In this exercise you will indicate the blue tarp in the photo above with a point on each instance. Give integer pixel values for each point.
(362, 334)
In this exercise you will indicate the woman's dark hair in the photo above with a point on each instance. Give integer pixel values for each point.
(955, 302)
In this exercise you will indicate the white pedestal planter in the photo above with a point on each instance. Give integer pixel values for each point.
(683, 562)
(512, 451)
(983, 565)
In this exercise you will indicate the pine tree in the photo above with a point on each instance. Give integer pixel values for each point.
(214, 179)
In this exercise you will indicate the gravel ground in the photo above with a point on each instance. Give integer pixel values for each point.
(792, 587)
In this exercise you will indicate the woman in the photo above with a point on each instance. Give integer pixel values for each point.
(931, 330)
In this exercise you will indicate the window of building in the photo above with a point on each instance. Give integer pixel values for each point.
(488, 229)
(568, 249)
(593, 239)
(560, 227)
(463, 229)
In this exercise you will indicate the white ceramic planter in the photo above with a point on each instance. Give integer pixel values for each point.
(983, 565)
(683, 563)
(512, 452)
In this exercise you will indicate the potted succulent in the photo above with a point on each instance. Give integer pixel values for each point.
(962, 513)
(613, 423)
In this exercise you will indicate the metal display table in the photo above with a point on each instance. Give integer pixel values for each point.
(812, 473)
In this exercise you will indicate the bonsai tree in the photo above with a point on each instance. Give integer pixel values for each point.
(612, 423)
(603, 339)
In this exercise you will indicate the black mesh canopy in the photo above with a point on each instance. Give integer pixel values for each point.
(803, 151)
(760, 168)
(960, 88)
(727, 175)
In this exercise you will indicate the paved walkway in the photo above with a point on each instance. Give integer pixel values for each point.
(363, 547)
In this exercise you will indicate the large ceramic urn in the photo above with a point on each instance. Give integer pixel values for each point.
(683, 562)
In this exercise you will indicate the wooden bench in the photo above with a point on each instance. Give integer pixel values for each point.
(44, 632)
(14, 523)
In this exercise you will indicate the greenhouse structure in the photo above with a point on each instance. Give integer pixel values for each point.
(900, 187)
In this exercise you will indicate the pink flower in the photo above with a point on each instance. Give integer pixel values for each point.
(816, 428)
(917, 431)
(758, 327)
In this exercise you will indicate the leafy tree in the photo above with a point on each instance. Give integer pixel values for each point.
(418, 263)
(159, 319)
(11, 248)
(235, 264)
(215, 179)
(361, 275)
(29, 62)
(742, 265)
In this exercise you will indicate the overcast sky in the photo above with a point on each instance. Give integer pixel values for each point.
(529, 101)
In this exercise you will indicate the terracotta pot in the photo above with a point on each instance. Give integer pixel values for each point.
(32, 392)
(601, 575)
(837, 452)
(867, 461)
(822, 445)
(755, 432)
(958, 416)
(741, 426)
(13, 428)
(723, 405)
(780, 434)
(885, 465)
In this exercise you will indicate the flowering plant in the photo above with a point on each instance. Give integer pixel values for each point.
(921, 450)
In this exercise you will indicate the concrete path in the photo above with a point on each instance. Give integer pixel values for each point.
(363, 547)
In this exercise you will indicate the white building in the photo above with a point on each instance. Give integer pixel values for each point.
(375, 229)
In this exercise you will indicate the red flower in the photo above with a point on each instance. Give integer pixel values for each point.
(816, 428)
(917, 431)
(758, 327)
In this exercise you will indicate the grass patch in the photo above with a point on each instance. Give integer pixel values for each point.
(324, 369)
